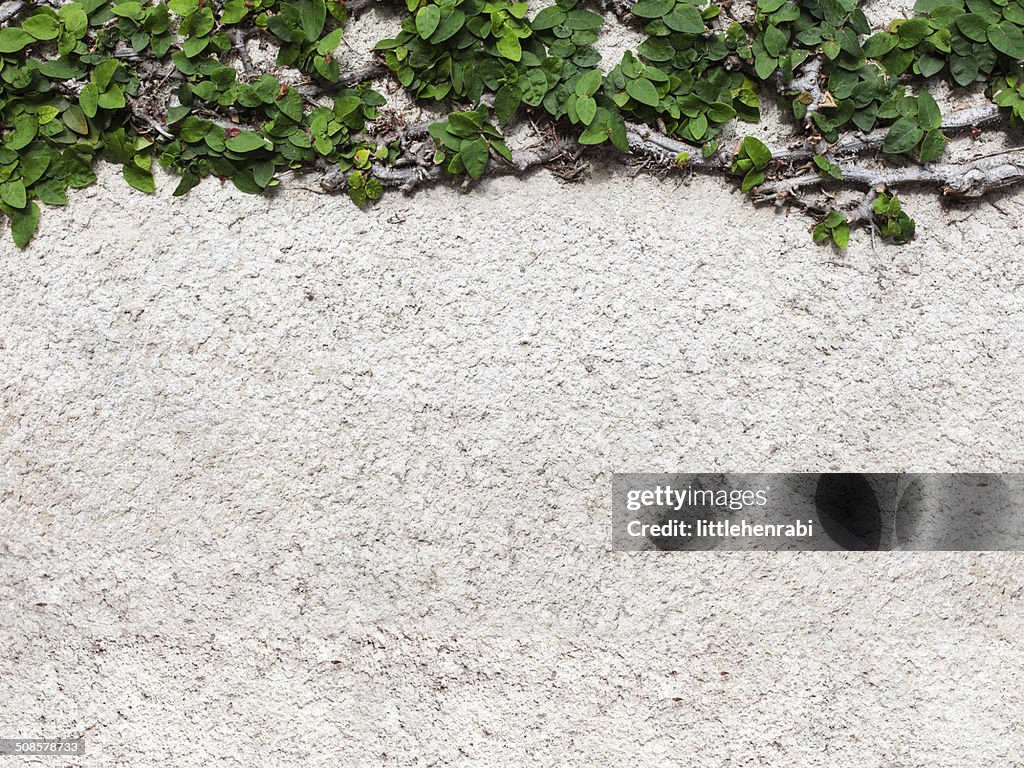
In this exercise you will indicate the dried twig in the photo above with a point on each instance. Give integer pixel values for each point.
(415, 168)
(971, 179)
(238, 42)
(345, 80)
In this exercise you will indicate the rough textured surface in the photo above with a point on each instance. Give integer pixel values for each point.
(287, 482)
(283, 482)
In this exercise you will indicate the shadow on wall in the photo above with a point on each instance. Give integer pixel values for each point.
(871, 512)
(849, 511)
(960, 512)
(932, 512)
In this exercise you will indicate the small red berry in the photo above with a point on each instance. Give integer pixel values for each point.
(232, 132)
(976, 132)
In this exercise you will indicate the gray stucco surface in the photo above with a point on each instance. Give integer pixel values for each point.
(285, 483)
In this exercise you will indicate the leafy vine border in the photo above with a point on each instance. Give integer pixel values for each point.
(173, 82)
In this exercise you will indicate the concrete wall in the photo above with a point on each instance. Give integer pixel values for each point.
(282, 482)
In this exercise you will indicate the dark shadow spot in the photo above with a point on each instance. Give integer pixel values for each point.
(909, 513)
(848, 511)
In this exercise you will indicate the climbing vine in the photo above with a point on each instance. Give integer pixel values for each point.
(173, 82)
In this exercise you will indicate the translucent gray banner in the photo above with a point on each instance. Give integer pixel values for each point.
(42, 747)
(806, 511)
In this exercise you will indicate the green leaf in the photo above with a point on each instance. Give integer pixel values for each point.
(262, 173)
(764, 65)
(932, 145)
(506, 103)
(427, 19)
(698, 127)
(595, 134)
(586, 109)
(841, 234)
(534, 86)
(74, 118)
(973, 26)
(508, 46)
(103, 74)
(757, 151)
(903, 136)
(88, 99)
(59, 69)
(244, 182)
(827, 167)
(501, 148)
(141, 179)
(753, 178)
(913, 31)
(928, 115)
(373, 188)
(42, 26)
(188, 182)
(474, 156)
(617, 133)
(582, 20)
(312, 16)
(13, 40)
(26, 127)
(466, 124)
(880, 44)
(548, 18)
(246, 141)
(775, 41)
(52, 193)
(75, 21)
(329, 43)
(589, 83)
(652, 9)
(193, 46)
(174, 114)
(643, 90)
(686, 19)
(112, 98)
(234, 12)
(13, 193)
(964, 69)
(657, 49)
(34, 165)
(291, 104)
(450, 23)
(24, 223)
(130, 10)
(930, 65)
(721, 112)
(1007, 38)
(833, 220)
